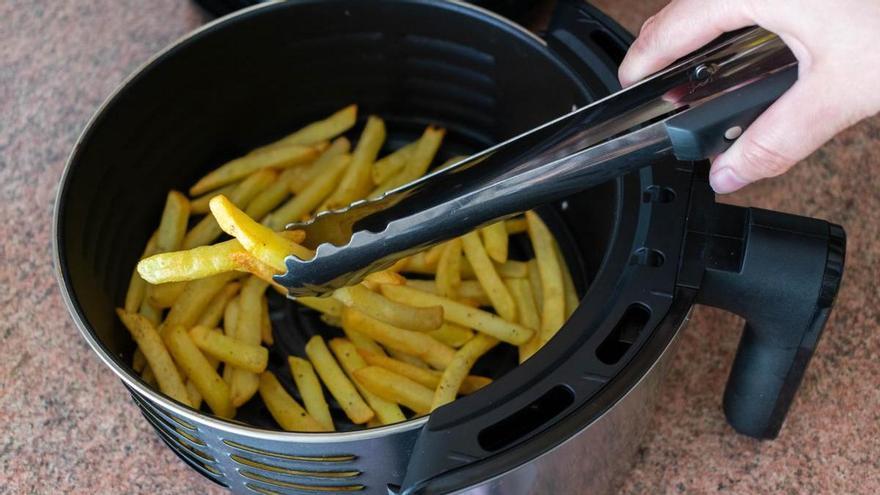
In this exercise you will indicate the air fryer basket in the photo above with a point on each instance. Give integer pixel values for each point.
(637, 245)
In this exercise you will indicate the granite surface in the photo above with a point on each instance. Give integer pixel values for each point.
(67, 425)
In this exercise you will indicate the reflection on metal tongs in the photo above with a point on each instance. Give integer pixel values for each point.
(692, 110)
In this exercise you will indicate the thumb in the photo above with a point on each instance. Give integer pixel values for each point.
(792, 128)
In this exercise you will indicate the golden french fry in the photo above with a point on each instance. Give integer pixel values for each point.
(333, 321)
(164, 294)
(448, 278)
(461, 314)
(458, 369)
(269, 198)
(321, 130)
(194, 299)
(230, 318)
(336, 382)
(155, 354)
(571, 296)
(427, 377)
(311, 196)
(150, 379)
(392, 164)
(248, 330)
(138, 360)
(137, 286)
(361, 341)
(239, 168)
(215, 310)
(172, 226)
(488, 276)
(468, 289)
(310, 389)
(432, 255)
(508, 269)
(199, 206)
(452, 161)
(348, 357)
(375, 279)
(495, 240)
(207, 230)
(265, 323)
(516, 226)
(408, 359)
(395, 388)
(553, 309)
(199, 371)
(151, 313)
(452, 335)
(195, 398)
(325, 305)
(231, 351)
(181, 266)
(535, 283)
(521, 291)
(356, 182)
(391, 312)
(263, 243)
(286, 411)
(418, 162)
(417, 344)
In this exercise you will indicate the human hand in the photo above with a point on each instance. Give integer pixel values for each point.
(836, 44)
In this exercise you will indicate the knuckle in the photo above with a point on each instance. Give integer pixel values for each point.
(763, 160)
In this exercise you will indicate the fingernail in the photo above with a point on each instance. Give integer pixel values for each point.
(724, 181)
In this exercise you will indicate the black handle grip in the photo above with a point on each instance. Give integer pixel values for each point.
(781, 273)
(703, 132)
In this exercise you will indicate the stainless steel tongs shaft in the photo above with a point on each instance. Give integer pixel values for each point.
(688, 110)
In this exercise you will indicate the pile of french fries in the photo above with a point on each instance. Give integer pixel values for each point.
(197, 308)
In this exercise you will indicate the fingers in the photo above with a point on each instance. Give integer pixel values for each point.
(798, 123)
(680, 28)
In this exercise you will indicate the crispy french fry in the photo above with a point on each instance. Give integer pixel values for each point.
(361, 341)
(432, 255)
(553, 309)
(160, 363)
(535, 283)
(164, 294)
(508, 269)
(458, 369)
(269, 198)
(395, 388)
(172, 226)
(325, 305)
(417, 344)
(207, 230)
(264, 244)
(495, 240)
(151, 313)
(230, 318)
(194, 365)
(333, 321)
(311, 196)
(521, 291)
(239, 168)
(137, 286)
(375, 279)
(231, 351)
(215, 310)
(452, 335)
(336, 382)
(310, 389)
(488, 276)
(195, 398)
(194, 299)
(427, 377)
(461, 314)
(320, 130)
(348, 357)
(199, 206)
(286, 411)
(468, 289)
(138, 360)
(149, 377)
(418, 162)
(356, 182)
(516, 226)
(571, 296)
(247, 330)
(392, 163)
(265, 323)
(408, 359)
(391, 312)
(448, 278)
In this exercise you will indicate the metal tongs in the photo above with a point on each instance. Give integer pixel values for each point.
(692, 110)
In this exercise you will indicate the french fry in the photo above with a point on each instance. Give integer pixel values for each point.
(417, 344)
(195, 398)
(391, 312)
(427, 377)
(239, 168)
(325, 305)
(468, 289)
(388, 276)
(458, 369)
(155, 354)
(286, 411)
(247, 330)
(181, 266)
(231, 351)
(138, 360)
(452, 335)
(265, 323)
(319, 131)
(495, 240)
(306, 201)
(310, 389)
(361, 341)
(488, 276)
(194, 299)
(230, 318)
(151, 313)
(172, 226)
(337, 383)
(199, 206)
(521, 290)
(199, 371)
(213, 313)
(448, 277)
(571, 297)
(461, 314)
(516, 226)
(432, 255)
(269, 198)
(348, 357)
(356, 182)
(137, 286)
(452, 161)
(207, 230)
(553, 308)
(395, 388)
(417, 164)
(508, 269)
(260, 241)
(149, 377)
(163, 295)
(408, 359)
(391, 164)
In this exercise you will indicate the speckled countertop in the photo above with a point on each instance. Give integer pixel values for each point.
(67, 425)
